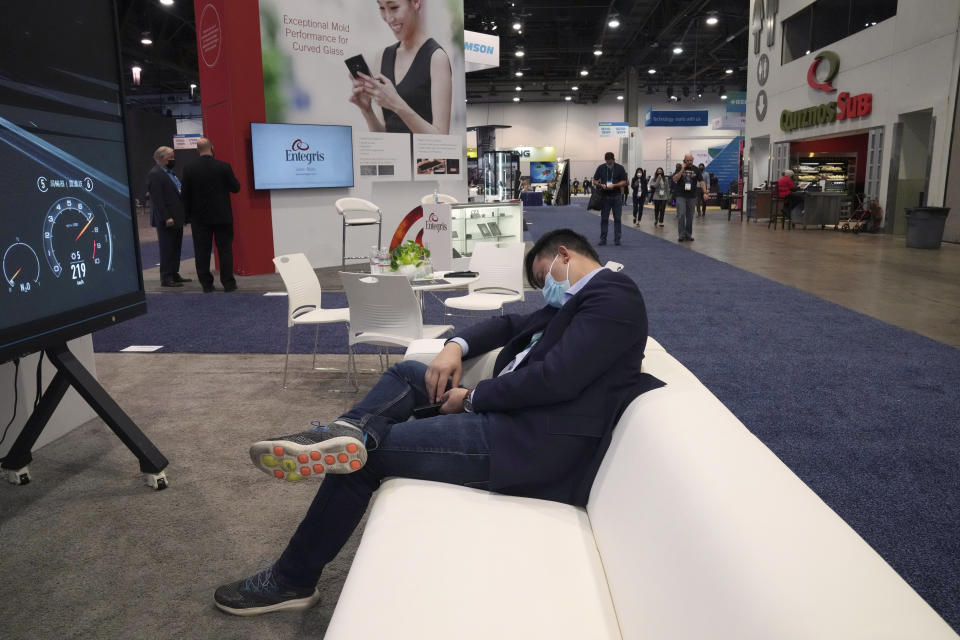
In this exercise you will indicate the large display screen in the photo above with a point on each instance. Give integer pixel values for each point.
(68, 239)
(301, 156)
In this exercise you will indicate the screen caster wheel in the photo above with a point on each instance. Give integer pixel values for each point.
(157, 481)
(19, 476)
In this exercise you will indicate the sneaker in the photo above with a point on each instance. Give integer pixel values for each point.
(336, 448)
(261, 593)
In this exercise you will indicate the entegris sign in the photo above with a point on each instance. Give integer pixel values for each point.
(844, 107)
(299, 151)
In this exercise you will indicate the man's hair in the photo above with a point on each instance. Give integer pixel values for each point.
(547, 246)
(159, 153)
(608, 155)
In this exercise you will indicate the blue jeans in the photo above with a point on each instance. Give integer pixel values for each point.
(446, 448)
(686, 209)
(613, 200)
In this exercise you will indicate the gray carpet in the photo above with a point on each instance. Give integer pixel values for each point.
(91, 552)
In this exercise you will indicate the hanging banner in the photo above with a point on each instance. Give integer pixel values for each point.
(536, 154)
(729, 121)
(614, 129)
(737, 102)
(480, 51)
(676, 118)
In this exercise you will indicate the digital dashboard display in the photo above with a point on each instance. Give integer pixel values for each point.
(301, 156)
(68, 239)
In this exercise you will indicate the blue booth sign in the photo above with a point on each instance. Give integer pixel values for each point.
(676, 118)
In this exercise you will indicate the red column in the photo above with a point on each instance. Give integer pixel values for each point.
(231, 84)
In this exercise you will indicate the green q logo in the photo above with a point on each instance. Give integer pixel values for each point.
(834, 61)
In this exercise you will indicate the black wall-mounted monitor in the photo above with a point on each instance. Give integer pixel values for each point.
(68, 236)
(301, 156)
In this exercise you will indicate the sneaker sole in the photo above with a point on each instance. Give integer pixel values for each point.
(292, 462)
(298, 604)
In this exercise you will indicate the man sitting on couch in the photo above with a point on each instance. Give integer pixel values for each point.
(539, 428)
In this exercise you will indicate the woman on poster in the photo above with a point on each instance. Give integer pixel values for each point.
(420, 101)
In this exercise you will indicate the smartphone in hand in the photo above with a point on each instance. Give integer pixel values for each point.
(357, 65)
(427, 411)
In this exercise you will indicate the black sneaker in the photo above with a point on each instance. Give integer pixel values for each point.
(261, 593)
(336, 448)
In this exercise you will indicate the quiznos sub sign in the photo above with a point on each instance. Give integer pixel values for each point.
(846, 106)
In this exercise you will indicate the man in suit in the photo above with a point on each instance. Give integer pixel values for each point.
(167, 215)
(539, 428)
(207, 185)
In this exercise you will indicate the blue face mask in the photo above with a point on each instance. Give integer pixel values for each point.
(552, 290)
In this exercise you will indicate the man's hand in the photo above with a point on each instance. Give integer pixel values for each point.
(453, 400)
(448, 364)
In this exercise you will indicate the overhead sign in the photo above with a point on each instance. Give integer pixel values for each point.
(480, 51)
(186, 141)
(730, 121)
(614, 129)
(676, 118)
(537, 154)
(846, 106)
(737, 102)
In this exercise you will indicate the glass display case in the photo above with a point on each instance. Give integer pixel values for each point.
(500, 171)
(500, 222)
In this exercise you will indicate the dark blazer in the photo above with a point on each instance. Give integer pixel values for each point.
(552, 418)
(165, 201)
(207, 185)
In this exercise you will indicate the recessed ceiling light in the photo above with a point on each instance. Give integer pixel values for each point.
(651, 71)
(516, 99)
(723, 97)
(166, 3)
(584, 72)
(517, 26)
(807, 52)
(136, 68)
(518, 88)
(494, 26)
(712, 20)
(613, 23)
(678, 50)
(519, 74)
(728, 71)
(598, 52)
(192, 86)
(519, 53)
(146, 40)
(574, 88)
(619, 97)
(567, 98)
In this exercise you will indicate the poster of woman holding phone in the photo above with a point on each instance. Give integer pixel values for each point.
(413, 88)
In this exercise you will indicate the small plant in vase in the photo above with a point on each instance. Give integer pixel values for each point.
(408, 258)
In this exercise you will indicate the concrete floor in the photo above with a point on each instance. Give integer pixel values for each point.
(875, 274)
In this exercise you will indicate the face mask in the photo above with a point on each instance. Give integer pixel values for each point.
(171, 164)
(552, 290)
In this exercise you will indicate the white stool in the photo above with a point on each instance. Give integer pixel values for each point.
(357, 212)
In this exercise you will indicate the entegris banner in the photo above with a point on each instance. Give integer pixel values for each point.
(844, 107)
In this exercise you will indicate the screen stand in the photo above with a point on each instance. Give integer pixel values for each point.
(71, 373)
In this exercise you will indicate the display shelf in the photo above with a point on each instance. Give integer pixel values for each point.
(499, 222)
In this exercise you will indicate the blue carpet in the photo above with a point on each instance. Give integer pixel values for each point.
(150, 252)
(864, 412)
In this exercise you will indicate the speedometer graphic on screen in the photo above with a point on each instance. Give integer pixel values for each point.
(76, 240)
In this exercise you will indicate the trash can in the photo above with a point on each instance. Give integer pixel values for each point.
(925, 226)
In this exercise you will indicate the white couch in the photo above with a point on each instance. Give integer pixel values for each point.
(694, 529)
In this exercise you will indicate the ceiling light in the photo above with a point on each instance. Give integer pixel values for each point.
(598, 52)
(723, 96)
(807, 52)
(135, 69)
(166, 3)
(619, 97)
(518, 88)
(712, 20)
(674, 98)
(192, 86)
(146, 39)
(678, 49)
(614, 22)
(567, 98)
(516, 99)
(494, 26)
(519, 74)
(517, 26)
(584, 72)
(728, 71)
(518, 53)
(651, 71)
(574, 88)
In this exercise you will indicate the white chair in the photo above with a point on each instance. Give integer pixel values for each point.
(500, 271)
(384, 311)
(441, 197)
(303, 301)
(357, 212)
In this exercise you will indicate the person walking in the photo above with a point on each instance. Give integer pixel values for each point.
(644, 184)
(610, 178)
(638, 184)
(660, 191)
(167, 215)
(704, 192)
(207, 185)
(686, 181)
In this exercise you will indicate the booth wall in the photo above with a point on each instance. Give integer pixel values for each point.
(909, 63)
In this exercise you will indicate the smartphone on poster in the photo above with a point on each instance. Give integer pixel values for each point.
(357, 65)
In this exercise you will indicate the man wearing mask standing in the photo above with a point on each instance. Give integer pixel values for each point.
(539, 428)
(167, 215)
(610, 179)
(207, 185)
(686, 181)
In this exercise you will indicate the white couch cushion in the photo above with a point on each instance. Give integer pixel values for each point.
(704, 533)
(442, 561)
